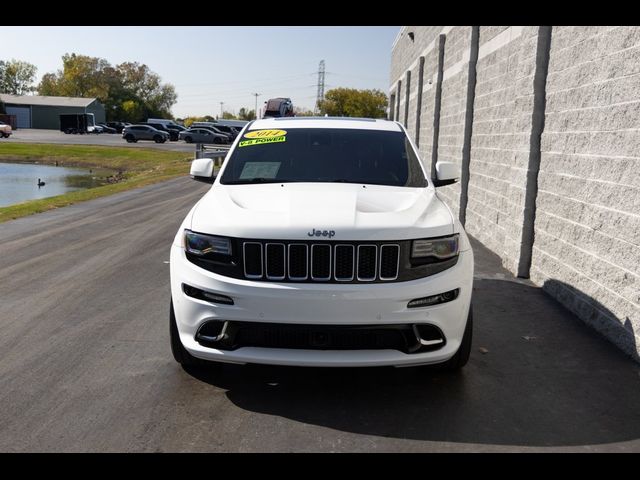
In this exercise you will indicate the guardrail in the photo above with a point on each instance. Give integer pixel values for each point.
(215, 152)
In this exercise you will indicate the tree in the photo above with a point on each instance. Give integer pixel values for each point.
(301, 112)
(17, 77)
(244, 114)
(188, 121)
(129, 91)
(351, 102)
(137, 81)
(228, 116)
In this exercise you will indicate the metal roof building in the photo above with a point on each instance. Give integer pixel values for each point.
(37, 111)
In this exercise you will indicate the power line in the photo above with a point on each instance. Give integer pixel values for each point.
(204, 97)
(236, 82)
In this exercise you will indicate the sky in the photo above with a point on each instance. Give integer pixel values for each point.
(209, 65)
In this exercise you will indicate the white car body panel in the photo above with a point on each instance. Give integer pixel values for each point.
(291, 210)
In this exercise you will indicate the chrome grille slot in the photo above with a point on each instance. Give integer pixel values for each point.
(389, 262)
(252, 259)
(344, 262)
(367, 262)
(320, 262)
(298, 261)
(275, 261)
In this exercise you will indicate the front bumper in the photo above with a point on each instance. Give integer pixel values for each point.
(321, 304)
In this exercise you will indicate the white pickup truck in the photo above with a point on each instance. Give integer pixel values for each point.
(322, 242)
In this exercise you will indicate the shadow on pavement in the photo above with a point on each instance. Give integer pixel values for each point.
(545, 379)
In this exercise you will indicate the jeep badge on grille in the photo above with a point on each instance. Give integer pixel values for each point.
(321, 233)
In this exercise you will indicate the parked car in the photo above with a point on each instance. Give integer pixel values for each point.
(133, 133)
(106, 128)
(226, 129)
(119, 126)
(238, 124)
(322, 245)
(5, 130)
(173, 134)
(203, 135)
(213, 127)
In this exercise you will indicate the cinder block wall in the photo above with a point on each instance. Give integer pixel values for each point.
(501, 139)
(587, 230)
(453, 106)
(585, 213)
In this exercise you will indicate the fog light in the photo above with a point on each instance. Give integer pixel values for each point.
(206, 296)
(434, 299)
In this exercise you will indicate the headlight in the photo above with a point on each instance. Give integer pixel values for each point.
(200, 244)
(440, 248)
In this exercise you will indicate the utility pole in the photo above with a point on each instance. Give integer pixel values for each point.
(221, 109)
(256, 110)
(320, 95)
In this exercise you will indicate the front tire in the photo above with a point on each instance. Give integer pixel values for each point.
(180, 354)
(188, 139)
(461, 357)
(158, 139)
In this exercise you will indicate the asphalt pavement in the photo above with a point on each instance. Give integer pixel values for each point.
(86, 364)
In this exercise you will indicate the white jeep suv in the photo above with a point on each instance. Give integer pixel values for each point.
(321, 243)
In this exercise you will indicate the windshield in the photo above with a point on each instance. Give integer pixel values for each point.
(324, 155)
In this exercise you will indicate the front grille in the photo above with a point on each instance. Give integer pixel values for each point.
(402, 337)
(320, 262)
(314, 261)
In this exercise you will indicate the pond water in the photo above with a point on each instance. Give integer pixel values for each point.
(19, 181)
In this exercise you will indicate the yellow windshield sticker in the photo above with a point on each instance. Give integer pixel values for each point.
(265, 133)
(259, 141)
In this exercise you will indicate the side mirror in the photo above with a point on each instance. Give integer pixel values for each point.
(446, 174)
(202, 170)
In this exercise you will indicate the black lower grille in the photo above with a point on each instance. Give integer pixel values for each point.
(313, 337)
(319, 337)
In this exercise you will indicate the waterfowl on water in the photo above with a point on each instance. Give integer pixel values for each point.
(41, 183)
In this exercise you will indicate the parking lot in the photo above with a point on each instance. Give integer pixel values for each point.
(86, 362)
(106, 139)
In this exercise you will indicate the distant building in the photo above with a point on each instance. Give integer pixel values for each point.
(36, 111)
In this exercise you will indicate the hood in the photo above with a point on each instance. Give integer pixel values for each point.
(291, 211)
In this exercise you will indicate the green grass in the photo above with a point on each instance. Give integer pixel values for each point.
(140, 166)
